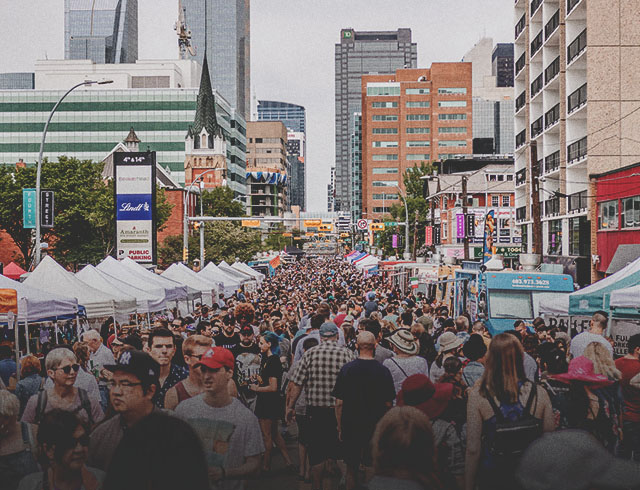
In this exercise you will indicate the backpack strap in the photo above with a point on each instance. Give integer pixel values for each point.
(41, 404)
(85, 404)
(496, 410)
(532, 395)
(396, 363)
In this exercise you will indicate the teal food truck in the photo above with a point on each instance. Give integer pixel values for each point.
(499, 298)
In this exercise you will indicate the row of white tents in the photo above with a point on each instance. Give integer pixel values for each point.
(121, 288)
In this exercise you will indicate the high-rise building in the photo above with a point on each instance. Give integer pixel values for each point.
(576, 116)
(356, 167)
(331, 194)
(360, 53)
(227, 45)
(493, 103)
(502, 64)
(17, 81)
(292, 116)
(158, 98)
(267, 169)
(410, 117)
(295, 120)
(104, 32)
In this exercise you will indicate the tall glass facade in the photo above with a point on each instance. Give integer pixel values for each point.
(361, 53)
(228, 50)
(104, 31)
(356, 168)
(16, 81)
(89, 123)
(494, 119)
(292, 116)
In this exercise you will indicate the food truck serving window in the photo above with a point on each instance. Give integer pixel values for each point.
(510, 304)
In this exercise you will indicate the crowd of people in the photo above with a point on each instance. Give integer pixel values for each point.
(382, 388)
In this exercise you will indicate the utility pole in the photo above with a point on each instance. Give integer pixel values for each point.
(415, 235)
(465, 239)
(535, 198)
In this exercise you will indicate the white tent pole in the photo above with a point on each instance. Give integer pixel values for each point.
(57, 332)
(148, 321)
(78, 327)
(26, 333)
(16, 324)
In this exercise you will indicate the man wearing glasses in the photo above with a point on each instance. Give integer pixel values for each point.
(193, 349)
(131, 390)
(62, 367)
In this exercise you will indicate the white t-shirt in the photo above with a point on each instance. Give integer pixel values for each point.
(580, 342)
(403, 367)
(229, 434)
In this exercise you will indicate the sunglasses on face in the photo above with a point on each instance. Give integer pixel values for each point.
(83, 440)
(67, 369)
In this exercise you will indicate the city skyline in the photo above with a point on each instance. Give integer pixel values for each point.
(292, 49)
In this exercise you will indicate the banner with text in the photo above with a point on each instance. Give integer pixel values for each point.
(135, 200)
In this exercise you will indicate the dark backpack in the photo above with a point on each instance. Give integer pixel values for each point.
(512, 437)
(85, 404)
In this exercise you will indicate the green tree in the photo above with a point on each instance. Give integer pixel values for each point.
(219, 201)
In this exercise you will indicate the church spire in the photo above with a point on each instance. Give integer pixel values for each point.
(206, 106)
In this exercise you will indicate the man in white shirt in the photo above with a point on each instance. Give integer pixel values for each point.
(597, 327)
(100, 357)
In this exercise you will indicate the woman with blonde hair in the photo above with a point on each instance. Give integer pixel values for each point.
(403, 451)
(602, 361)
(503, 403)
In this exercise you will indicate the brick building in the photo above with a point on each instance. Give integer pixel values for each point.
(412, 116)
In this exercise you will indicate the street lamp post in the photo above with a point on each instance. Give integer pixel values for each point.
(38, 251)
(407, 254)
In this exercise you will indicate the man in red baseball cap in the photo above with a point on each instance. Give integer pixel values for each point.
(229, 431)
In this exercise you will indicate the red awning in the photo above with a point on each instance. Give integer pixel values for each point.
(13, 271)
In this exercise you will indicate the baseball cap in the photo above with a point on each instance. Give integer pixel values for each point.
(138, 363)
(328, 329)
(246, 330)
(217, 357)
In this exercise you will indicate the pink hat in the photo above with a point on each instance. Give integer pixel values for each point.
(581, 369)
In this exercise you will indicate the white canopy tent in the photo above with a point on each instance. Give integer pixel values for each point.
(242, 267)
(181, 273)
(626, 298)
(213, 273)
(146, 301)
(174, 290)
(36, 304)
(366, 261)
(116, 270)
(52, 276)
(242, 276)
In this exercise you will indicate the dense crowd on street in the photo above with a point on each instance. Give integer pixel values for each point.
(383, 388)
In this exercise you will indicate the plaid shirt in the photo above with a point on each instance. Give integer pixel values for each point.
(318, 370)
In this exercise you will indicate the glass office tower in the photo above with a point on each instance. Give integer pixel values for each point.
(104, 31)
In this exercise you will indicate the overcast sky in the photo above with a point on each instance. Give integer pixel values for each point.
(292, 48)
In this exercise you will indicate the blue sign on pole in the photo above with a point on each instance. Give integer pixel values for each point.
(29, 208)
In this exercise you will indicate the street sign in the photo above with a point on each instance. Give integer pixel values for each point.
(312, 223)
(29, 208)
(391, 223)
(362, 224)
(287, 234)
(46, 209)
(251, 223)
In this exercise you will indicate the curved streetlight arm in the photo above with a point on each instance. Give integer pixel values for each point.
(39, 168)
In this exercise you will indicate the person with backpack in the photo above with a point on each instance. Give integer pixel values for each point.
(505, 413)
(62, 367)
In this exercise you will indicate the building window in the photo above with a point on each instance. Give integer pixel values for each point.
(452, 129)
(416, 91)
(495, 201)
(579, 227)
(445, 230)
(554, 237)
(445, 202)
(382, 209)
(384, 197)
(446, 156)
(418, 130)
(384, 130)
(385, 170)
(384, 117)
(384, 105)
(417, 117)
(452, 90)
(631, 212)
(383, 89)
(452, 103)
(452, 117)
(459, 143)
(417, 103)
(414, 143)
(384, 157)
(608, 215)
(506, 201)
(385, 183)
(418, 156)
(385, 144)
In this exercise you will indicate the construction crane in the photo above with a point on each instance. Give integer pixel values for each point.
(184, 34)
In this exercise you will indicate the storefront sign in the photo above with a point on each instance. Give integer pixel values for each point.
(135, 191)
(621, 330)
(459, 226)
(506, 252)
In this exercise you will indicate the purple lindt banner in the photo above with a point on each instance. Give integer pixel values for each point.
(394, 241)
(460, 226)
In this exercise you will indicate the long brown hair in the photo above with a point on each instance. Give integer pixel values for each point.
(504, 369)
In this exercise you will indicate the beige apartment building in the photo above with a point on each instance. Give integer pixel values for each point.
(577, 63)
(267, 171)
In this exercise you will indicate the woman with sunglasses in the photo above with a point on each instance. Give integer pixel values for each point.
(63, 443)
(62, 368)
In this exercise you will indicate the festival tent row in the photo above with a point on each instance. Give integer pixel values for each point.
(51, 276)
(626, 299)
(180, 273)
(213, 273)
(242, 267)
(247, 280)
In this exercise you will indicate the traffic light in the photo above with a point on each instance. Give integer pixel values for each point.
(185, 254)
(196, 225)
(325, 227)
(376, 226)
